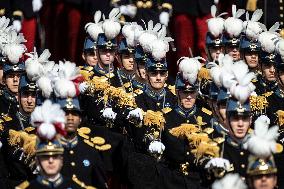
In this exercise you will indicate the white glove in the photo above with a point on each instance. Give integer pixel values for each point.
(136, 113)
(164, 18)
(156, 147)
(218, 163)
(83, 87)
(17, 25)
(37, 4)
(109, 114)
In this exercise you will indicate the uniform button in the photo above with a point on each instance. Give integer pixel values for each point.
(243, 166)
(243, 178)
(242, 153)
(281, 8)
(281, 15)
(187, 153)
(187, 121)
(158, 104)
(73, 164)
(71, 152)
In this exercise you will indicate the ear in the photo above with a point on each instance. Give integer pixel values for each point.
(83, 56)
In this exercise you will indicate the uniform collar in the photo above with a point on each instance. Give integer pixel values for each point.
(137, 84)
(185, 113)
(102, 71)
(9, 96)
(69, 143)
(218, 127)
(42, 180)
(279, 92)
(155, 95)
(269, 85)
(125, 75)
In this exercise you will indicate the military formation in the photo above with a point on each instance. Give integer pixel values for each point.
(218, 124)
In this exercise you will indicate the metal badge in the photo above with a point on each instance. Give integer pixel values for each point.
(86, 163)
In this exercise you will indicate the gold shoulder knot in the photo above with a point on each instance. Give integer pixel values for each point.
(103, 147)
(83, 132)
(23, 185)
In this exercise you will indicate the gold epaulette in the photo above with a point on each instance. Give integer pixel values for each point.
(184, 130)
(23, 185)
(280, 116)
(167, 6)
(166, 110)
(219, 140)
(29, 129)
(205, 110)
(203, 74)
(152, 118)
(206, 148)
(87, 72)
(104, 147)
(208, 130)
(2, 12)
(279, 148)
(98, 140)
(251, 5)
(258, 103)
(172, 88)
(83, 132)
(138, 91)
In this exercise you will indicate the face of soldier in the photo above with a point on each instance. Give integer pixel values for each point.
(28, 102)
(90, 57)
(239, 125)
(73, 120)
(264, 181)
(215, 52)
(12, 81)
(1, 74)
(234, 52)
(128, 62)
(141, 71)
(251, 59)
(281, 78)
(268, 72)
(106, 56)
(157, 79)
(187, 99)
(51, 165)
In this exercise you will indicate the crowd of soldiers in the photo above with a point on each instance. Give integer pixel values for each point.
(218, 124)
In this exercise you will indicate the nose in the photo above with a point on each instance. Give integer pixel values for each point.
(29, 99)
(240, 122)
(272, 69)
(16, 78)
(50, 159)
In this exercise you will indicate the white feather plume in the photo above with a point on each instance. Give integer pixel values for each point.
(43, 117)
(280, 48)
(63, 86)
(233, 25)
(216, 23)
(267, 38)
(130, 32)
(189, 68)
(5, 29)
(230, 181)
(14, 48)
(262, 143)
(111, 26)
(243, 86)
(94, 29)
(227, 78)
(252, 28)
(34, 64)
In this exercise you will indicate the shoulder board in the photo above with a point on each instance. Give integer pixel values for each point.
(127, 85)
(6, 118)
(267, 94)
(103, 147)
(29, 129)
(206, 111)
(110, 75)
(89, 142)
(23, 185)
(138, 91)
(98, 140)
(219, 140)
(85, 130)
(172, 88)
(83, 135)
(166, 110)
(208, 130)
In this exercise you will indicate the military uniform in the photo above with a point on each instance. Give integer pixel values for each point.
(178, 169)
(40, 182)
(83, 162)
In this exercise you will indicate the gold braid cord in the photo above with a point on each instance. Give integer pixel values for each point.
(152, 118)
(280, 115)
(258, 103)
(206, 148)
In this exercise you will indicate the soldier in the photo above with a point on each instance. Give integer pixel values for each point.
(249, 45)
(49, 120)
(90, 54)
(178, 167)
(20, 168)
(233, 28)
(81, 159)
(140, 60)
(262, 170)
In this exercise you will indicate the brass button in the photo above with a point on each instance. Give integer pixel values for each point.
(242, 153)
(71, 152)
(158, 104)
(187, 121)
(243, 166)
(187, 153)
(73, 164)
(281, 15)
(281, 8)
